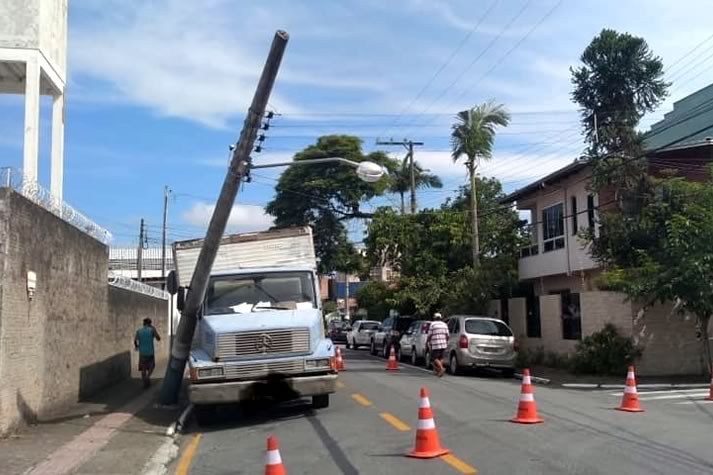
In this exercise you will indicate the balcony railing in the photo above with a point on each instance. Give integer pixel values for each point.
(13, 178)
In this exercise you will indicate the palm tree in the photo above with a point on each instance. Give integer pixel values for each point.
(401, 181)
(473, 135)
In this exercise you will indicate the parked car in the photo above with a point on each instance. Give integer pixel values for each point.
(389, 333)
(480, 342)
(413, 342)
(337, 331)
(360, 333)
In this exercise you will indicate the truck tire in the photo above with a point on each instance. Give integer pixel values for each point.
(320, 401)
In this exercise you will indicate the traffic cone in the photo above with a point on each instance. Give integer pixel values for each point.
(710, 393)
(427, 443)
(340, 361)
(526, 408)
(630, 401)
(392, 364)
(273, 461)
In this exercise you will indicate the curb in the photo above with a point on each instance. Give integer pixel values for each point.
(645, 386)
(534, 379)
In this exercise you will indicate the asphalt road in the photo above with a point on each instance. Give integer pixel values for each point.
(371, 423)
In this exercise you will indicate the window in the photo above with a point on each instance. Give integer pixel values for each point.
(573, 212)
(590, 211)
(247, 293)
(553, 227)
(533, 317)
(571, 315)
(486, 327)
(369, 326)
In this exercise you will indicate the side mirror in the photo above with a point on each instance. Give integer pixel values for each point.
(172, 283)
(181, 298)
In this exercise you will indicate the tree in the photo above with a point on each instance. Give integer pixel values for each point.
(620, 80)
(400, 180)
(663, 253)
(430, 249)
(325, 196)
(376, 298)
(473, 136)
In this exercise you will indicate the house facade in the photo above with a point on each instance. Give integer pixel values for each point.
(564, 304)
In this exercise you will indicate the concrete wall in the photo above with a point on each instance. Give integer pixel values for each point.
(74, 336)
(600, 308)
(517, 309)
(20, 23)
(36, 24)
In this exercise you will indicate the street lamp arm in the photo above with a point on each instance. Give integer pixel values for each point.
(310, 161)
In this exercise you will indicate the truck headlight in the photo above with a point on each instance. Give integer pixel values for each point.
(210, 373)
(316, 364)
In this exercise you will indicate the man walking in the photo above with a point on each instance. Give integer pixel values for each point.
(438, 340)
(143, 342)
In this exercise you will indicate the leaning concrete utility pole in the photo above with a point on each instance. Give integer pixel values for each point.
(239, 165)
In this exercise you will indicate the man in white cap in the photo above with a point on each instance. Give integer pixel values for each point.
(438, 341)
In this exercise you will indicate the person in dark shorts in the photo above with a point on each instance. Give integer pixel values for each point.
(143, 343)
(438, 341)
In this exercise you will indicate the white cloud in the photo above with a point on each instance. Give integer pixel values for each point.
(243, 218)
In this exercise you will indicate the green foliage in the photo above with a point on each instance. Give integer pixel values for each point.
(376, 298)
(473, 134)
(620, 81)
(400, 180)
(431, 251)
(605, 352)
(329, 306)
(325, 196)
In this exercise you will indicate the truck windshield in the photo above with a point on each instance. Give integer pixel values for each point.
(253, 292)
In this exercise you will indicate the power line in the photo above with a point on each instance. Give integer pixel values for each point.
(444, 65)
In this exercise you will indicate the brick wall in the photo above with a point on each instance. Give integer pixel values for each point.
(669, 341)
(600, 308)
(74, 336)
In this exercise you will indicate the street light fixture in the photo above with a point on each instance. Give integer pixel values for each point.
(367, 171)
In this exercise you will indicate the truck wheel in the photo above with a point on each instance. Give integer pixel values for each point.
(320, 402)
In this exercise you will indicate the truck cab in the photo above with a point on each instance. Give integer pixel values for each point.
(261, 334)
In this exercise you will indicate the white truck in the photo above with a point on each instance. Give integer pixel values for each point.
(260, 332)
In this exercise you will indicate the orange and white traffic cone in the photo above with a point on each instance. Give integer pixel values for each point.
(427, 444)
(710, 391)
(526, 408)
(630, 401)
(340, 361)
(273, 461)
(392, 364)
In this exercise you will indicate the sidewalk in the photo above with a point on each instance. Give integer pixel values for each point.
(559, 377)
(116, 432)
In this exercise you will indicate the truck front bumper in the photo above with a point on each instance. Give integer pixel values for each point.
(282, 388)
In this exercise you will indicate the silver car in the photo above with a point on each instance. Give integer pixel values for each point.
(480, 342)
(413, 342)
(360, 333)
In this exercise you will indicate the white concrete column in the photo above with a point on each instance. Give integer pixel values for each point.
(57, 154)
(32, 119)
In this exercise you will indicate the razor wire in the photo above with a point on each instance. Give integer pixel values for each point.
(126, 283)
(13, 178)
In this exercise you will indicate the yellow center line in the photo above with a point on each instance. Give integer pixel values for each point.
(395, 422)
(185, 462)
(340, 385)
(458, 464)
(361, 400)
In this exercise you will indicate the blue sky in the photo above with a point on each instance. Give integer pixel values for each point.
(157, 91)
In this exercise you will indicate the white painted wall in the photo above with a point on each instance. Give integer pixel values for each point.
(574, 256)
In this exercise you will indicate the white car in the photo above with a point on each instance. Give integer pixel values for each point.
(360, 333)
(413, 343)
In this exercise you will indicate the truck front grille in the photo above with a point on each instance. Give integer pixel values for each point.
(263, 370)
(286, 342)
